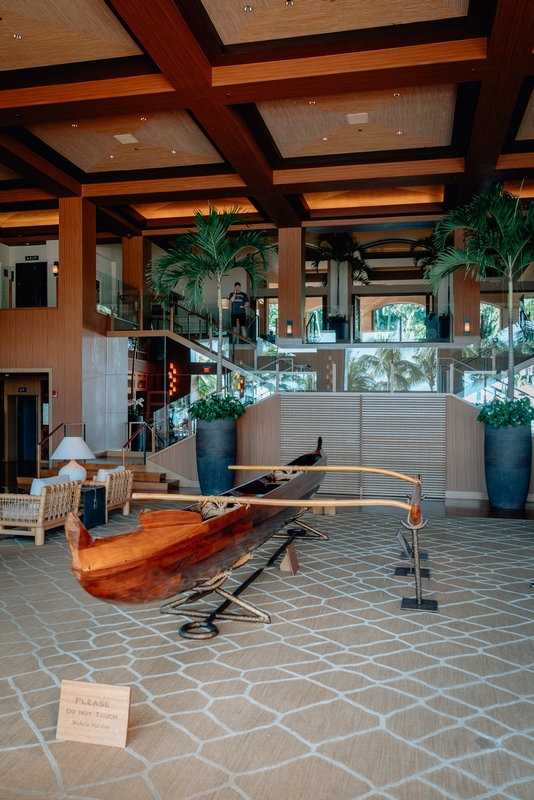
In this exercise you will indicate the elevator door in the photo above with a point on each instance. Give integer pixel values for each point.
(31, 284)
(26, 427)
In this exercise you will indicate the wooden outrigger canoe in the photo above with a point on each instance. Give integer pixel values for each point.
(177, 550)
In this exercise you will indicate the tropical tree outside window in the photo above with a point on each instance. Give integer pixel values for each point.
(490, 319)
(388, 318)
(386, 369)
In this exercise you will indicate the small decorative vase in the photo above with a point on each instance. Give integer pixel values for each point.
(216, 449)
(507, 461)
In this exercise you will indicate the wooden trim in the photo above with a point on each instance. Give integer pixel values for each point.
(348, 172)
(159, 186)
(86, 90)
(366, 61)
(13, 196)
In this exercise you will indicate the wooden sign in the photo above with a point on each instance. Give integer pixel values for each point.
(96, 713)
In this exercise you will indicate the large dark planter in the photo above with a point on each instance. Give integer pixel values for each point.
(341, 328)
(507, 460)
(216, 450)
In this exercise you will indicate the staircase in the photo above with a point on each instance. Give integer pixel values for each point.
(143, 481)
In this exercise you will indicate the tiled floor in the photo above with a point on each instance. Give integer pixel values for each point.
(343, 696)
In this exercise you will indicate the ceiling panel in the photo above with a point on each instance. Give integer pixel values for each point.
(167, 139)
(363, 198)
(526, 129)
(187, 208)
(397, 120)
(39, 33)
(275, 19)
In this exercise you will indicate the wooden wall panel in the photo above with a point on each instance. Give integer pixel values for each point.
(290, 280)
(466, 292)
(258, 436)
(180, 459)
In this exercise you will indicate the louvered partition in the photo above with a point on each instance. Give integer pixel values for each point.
(402, 432)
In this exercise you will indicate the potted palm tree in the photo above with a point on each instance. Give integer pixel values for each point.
(209, 254)
(341, 248)
(498, 239)
(507, 451)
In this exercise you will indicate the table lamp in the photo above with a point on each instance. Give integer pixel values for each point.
(72, 447)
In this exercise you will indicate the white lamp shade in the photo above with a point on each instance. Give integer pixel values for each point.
(72, 447)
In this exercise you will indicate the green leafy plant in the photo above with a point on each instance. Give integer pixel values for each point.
(209, 253)
(498, 237)
(217, 407)
(503, 413)
(336, 318)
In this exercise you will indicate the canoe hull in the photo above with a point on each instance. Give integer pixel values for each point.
(162, 560)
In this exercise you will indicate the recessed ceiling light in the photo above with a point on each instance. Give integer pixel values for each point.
(173, 152)
(396, 94)
(290, 3)
(112, 156)
(399, 133)
(143, 119)
(74, 125)
(325, 138)
(247, 8)
(17, 36)
(311, 102)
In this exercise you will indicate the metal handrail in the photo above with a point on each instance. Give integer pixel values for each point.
(141, 427)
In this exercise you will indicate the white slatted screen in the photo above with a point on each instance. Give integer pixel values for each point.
(402, 432)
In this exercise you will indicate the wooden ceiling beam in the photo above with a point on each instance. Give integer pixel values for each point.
(116, 223)
(177, 53)
(133, 190)
(348, 173)
(30, 195)
(239, 147)
(361, 61)
(512, 36)
(135, 86)
(30, 165)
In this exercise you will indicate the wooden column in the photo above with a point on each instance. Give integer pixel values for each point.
(136, 254)
(466, 293)
(291, 281)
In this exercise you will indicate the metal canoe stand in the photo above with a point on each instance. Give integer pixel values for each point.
(204, 627)
(415, 523)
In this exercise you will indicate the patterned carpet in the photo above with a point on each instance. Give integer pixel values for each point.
(342, 696)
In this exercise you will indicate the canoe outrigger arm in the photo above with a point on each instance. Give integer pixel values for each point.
(205, 628)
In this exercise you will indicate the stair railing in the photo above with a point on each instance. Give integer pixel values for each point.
(142, 427)
(63, 425)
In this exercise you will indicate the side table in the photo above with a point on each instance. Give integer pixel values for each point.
(93, 506)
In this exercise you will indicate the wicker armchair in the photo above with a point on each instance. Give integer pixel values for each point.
(32, 515)
(118, 490)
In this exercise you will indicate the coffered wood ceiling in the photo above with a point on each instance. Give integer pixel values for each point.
(256, 108)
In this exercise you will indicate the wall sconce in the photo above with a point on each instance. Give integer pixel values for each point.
(55, 269)
(225, 302)
(467, 326)
(289, 327)
(173, 379)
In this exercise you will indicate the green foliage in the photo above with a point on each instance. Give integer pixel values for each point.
(336, 318)
(498, 235)
(216, 407)
(210, 253)
(341, 247)
(424, 252)
(503, 413)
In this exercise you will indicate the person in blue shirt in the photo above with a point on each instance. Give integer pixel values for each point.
(240, 303)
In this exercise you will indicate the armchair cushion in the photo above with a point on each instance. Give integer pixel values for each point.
(103, 473)
(38, 484)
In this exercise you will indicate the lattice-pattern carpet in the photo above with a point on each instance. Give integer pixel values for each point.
(343, 696)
